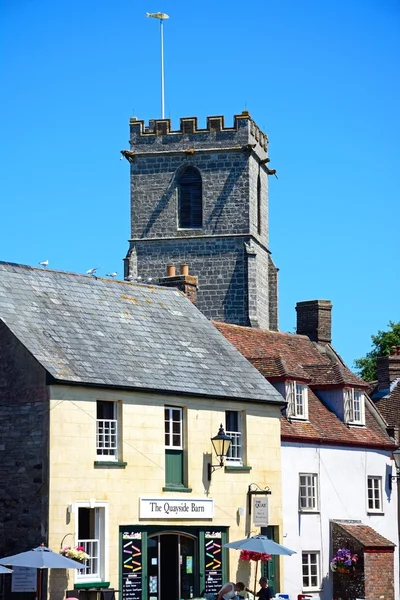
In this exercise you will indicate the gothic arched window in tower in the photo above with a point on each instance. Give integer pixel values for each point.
(190, 201)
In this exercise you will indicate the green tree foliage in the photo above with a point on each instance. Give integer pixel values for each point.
(381, 346)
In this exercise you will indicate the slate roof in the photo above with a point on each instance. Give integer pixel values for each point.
(284, 356)
(89, 330)
(366, 536)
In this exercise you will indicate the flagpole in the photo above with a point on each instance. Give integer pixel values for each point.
(161, 17)
(162, 67)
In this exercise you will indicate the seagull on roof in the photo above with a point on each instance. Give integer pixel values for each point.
(44, 263)
(113, 274)
(91, 271)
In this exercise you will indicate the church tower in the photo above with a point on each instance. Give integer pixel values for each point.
(200, 197)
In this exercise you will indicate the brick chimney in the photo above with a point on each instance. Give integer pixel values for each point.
(184, 282)
(388, 368)
(314, 320)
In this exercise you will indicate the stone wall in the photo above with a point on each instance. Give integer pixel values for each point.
(23, 448)
(222, 267)
(347, 586)
(233, 283)
(373, 576)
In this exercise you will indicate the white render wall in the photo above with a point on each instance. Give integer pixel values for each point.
(342, 476)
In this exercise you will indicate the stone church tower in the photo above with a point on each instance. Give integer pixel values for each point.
(200, 197)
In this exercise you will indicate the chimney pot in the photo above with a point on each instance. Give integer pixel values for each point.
(171, 271)
(185, 269)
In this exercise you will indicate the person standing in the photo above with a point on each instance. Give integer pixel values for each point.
(265, 592)
(230, 590)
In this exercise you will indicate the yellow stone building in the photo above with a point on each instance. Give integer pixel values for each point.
(118, 389)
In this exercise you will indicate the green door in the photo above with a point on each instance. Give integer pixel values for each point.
(269, 569)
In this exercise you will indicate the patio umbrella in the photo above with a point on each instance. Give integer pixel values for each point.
(40, 558)
(4, 570)
(261, 544)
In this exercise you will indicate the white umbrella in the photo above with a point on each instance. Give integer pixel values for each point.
(40, 558)
(261, 544)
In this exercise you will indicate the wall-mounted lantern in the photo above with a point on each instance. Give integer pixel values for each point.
(221, 444)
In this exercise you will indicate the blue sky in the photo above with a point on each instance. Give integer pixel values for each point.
(321, 78)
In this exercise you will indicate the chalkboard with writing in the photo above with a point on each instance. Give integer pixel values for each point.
(213, 561)
(131, 565)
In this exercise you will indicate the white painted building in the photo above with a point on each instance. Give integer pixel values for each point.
(336, 462)
(322, 483)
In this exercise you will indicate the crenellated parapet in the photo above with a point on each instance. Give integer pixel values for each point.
(158, 133)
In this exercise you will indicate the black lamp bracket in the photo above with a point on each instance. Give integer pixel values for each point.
(212, 468)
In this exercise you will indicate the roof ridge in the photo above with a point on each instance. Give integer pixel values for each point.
(86, 276)
(258, 330)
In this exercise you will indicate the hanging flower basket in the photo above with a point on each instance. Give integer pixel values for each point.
(257, 556)
(78, 553)
(344, 561)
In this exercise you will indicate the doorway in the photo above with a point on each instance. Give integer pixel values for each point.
(172, 566)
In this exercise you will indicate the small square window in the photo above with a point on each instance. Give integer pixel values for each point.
(308, 493)
(310, 571)
(374, 494)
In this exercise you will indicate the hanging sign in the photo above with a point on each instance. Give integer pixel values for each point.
(260, 510)
(164, 508)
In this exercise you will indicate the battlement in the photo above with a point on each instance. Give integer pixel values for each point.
(244, 131)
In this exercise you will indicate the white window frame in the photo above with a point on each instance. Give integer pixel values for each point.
(99, 544)
(309, 587)
(297, 400)
(374, 494)
(107, 446)
(235, 452)
(310, 486)
(354, 406)
(171, 434)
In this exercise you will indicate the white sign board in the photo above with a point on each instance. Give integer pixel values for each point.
(24, 579)
(260, 510)
(171, 508)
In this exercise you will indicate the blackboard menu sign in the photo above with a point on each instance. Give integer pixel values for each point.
(213, 561)
(131, 565)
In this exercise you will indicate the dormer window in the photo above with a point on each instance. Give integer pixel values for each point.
(297, 400)
(354, 412)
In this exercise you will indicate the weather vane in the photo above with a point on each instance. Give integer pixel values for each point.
(161, 17)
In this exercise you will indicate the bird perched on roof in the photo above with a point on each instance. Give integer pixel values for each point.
(113, 274)
(91, 271)
(44, 263)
